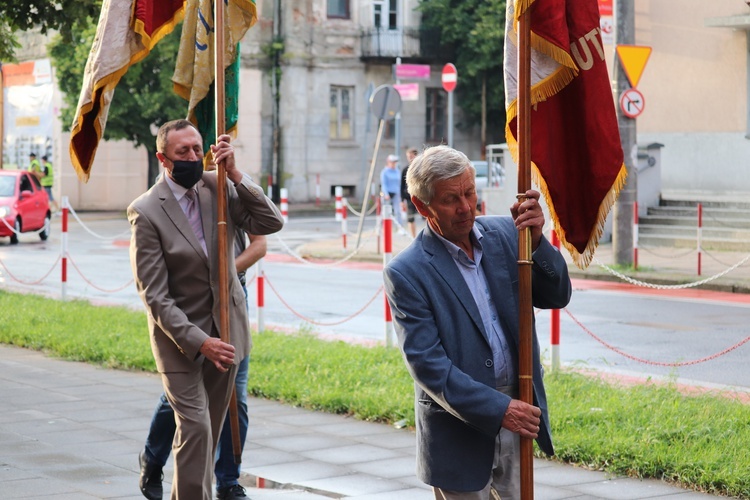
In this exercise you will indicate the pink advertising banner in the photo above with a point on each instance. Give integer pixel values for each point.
(412, 71)
(408, 91)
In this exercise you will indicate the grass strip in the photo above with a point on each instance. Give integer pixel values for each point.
(701, 442)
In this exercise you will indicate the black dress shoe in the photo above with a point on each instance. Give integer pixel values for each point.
(230, 492)
(151, 478)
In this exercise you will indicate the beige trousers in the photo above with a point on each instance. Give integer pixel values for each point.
(200, 400)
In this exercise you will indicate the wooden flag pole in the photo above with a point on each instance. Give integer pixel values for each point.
(525, 358)
(221, 184)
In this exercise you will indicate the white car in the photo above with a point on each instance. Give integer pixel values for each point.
(486, 177)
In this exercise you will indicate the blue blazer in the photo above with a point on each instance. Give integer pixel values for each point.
(458, 411)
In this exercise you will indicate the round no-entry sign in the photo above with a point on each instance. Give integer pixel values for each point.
(632, 103)
(450, 77)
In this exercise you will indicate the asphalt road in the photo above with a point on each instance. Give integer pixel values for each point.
(677, 334)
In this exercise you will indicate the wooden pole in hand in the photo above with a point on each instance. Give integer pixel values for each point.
(221, 183)
(525, 359)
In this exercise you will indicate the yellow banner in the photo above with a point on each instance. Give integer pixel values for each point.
(194, 70)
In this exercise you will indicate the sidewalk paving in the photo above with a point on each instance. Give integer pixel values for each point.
(72, 431)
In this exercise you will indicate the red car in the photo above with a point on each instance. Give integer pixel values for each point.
(24, 205)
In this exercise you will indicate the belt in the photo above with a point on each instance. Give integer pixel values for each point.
(241, 276)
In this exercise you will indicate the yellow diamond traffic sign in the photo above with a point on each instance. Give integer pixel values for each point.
(633, 59)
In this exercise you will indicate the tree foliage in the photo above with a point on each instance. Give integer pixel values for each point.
(143, 100)
(64, 16)
(475, 31)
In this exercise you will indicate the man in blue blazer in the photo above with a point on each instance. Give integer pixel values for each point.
(454, 296)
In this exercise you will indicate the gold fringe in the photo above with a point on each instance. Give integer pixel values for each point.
(150, 41)
(551, 85)
(520, 7)
(581, 260)
(551, 50)
(540, 92)
(181, 91)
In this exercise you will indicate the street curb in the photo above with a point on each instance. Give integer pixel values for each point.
(268, 484)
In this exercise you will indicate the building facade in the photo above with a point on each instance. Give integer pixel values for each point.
(335, 54)
(310, 66)
(696, 88)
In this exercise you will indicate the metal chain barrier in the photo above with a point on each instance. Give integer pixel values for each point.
(92, 233)
(670, 287)
(649, 249)
(355, 212)
(402, 230)
(319, 323)
(322, 264)
(114, 290)
(14, 278)
(656, 363)
(713, 218)
(38, 231)
(715, 258)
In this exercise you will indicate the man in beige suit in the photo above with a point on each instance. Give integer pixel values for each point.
(173, 253)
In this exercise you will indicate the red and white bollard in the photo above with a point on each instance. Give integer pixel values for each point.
(378, 218)
(260, 292)
(339, 191)
(635, 235)
(317, 190)
(700, 235)
(284, 205)
(344, 229)
(64, 249)
(555, 322)
(388, 252)
(270, 187)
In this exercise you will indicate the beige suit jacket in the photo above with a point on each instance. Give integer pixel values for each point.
(177, 282)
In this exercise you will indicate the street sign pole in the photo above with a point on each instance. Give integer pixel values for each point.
(397, 122)
(622, 213)
(450, 119)
(450, 79)
(385, 104)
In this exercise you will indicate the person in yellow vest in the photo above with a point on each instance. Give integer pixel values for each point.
(47, 180)
(34, 166)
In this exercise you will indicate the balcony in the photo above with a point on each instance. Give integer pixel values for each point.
(409, 43)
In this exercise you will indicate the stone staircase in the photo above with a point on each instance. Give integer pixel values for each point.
(674, 223)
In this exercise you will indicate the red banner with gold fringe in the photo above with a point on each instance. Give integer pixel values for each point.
(577, 159)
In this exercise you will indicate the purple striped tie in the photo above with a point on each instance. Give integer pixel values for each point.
(193, 214)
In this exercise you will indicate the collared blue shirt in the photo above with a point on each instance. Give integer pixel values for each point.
(476, 280)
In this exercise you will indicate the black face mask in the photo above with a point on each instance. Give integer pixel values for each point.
(186, 173)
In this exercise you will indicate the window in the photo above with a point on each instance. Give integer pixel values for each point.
(389, 129)
(341, 113)
(393, 14)
(25, 184)
(435, 116)
(385, 14)
(338, 9)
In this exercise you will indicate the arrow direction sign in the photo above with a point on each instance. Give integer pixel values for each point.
(632, 103)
